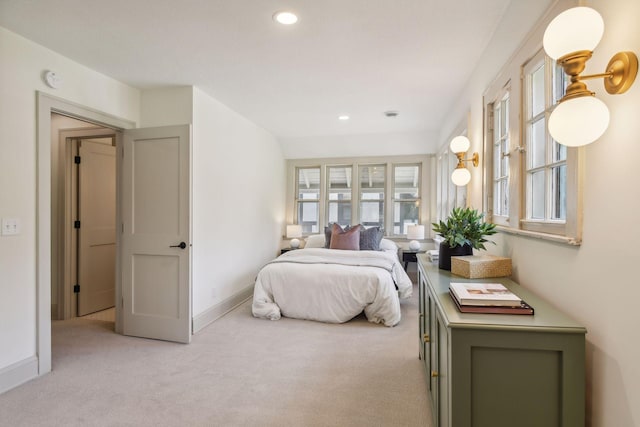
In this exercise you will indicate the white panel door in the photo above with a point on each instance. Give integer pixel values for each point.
(97, 214)
(156, 250)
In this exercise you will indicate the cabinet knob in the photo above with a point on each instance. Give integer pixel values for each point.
(426, 338)
(434, 374)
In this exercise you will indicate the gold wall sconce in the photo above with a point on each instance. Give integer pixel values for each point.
(461, 175)
(570, 38)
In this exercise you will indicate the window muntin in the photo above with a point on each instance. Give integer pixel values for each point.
(339, 190)
(406, 197)
(545, 159)
(372, 182)
(308, 199)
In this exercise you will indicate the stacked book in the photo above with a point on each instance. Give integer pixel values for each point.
(433, 254)
(491, 298)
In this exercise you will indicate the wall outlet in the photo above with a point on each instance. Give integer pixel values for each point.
(10, 226)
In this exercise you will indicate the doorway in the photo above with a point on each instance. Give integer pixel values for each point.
(47, 104)
(83, 207)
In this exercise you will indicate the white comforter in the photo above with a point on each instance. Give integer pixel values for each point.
(332, 285)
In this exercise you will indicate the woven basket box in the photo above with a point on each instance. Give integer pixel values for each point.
(480, 266)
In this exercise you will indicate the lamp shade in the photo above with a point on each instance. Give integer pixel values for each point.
(461, 177)
(415, 232)
(460, 144)
(579, 121)
(575, 29)
(294, 231)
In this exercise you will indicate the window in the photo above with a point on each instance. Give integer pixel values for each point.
(372, 184)
(500, 150)
(339, 194)
(534, 184)
(308, 199)
(388, 192)
(406, 197)
(546, 160)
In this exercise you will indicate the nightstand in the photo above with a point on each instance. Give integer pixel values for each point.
(283, 250)
(410, 256)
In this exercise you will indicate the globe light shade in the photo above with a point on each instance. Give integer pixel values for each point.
(579, 121)
(575, 29)
(461, 177)
(460, 144)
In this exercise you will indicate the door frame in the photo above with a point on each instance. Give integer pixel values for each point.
(45, 105)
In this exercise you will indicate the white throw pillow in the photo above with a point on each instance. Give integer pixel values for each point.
(388, 245)
(314, 241)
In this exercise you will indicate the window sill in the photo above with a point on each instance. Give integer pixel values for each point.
(571, 241)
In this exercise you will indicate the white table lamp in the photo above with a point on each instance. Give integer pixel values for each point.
(293, 232)
(415, 233)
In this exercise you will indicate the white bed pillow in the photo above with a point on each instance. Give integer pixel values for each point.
(314, 241)
(388, 245)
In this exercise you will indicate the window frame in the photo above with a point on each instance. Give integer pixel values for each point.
(424, 161)
(328, 202)
(298, 201)
(505, 93)
(385, 201)
(415, 200)
(517, 223)
(546, 224)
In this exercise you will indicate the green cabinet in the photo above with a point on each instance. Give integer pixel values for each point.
(499, 370)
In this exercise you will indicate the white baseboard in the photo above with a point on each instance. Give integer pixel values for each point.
(217, 311)
(19, 373)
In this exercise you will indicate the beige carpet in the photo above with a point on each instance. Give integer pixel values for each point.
(239, 371)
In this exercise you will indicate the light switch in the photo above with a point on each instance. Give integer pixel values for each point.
(10, 226)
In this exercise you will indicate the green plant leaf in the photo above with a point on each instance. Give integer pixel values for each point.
(465, 226)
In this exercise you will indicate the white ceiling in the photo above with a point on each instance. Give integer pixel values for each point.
(355, 57)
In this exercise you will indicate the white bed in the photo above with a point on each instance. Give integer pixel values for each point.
(331, 285)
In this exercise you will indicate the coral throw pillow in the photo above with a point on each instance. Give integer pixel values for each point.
(347, 240)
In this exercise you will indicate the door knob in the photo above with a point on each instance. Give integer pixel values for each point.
(182, 245)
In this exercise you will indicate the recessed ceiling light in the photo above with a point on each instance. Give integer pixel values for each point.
(285, 18)
(343, 118)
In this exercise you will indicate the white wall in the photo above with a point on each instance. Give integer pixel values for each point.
(167, 106)
(238, 193)
(238, 204)
(21, 65)
(595, 283)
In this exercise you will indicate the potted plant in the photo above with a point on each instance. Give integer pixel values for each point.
(463, 231)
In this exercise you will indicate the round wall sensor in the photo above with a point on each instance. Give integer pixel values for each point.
(52, 79)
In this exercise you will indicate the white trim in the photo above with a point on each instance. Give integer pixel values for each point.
(18, 373)
(46, 104)
(217, 311)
